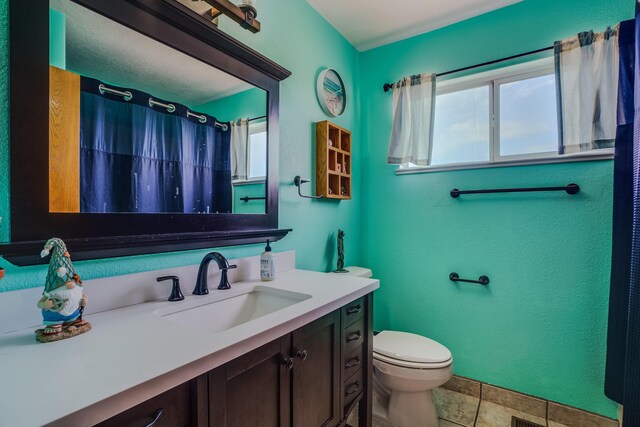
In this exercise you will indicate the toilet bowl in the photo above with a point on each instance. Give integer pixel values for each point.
(406, 368)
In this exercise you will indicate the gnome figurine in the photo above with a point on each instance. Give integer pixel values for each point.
(63, 300)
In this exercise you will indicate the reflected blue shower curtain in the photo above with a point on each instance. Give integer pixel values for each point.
(622, 381)
(137, 158)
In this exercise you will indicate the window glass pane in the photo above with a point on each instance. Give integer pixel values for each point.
(528, 116)
(461, 129)
(258, 155)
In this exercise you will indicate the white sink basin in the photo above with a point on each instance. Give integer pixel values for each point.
(223, 314)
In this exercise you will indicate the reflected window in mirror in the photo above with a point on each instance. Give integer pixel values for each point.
(257, 150)
(248, 164)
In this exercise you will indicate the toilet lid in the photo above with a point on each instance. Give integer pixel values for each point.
(408, 347)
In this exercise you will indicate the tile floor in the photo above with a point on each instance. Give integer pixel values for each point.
(467, 403)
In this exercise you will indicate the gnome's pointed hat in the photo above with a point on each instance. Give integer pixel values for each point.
(61, 269)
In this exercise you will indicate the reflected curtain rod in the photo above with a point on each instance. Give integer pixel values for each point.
(128, 96)
(257, 118)
(388, 86)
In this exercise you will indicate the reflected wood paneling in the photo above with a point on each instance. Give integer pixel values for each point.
(64, 141)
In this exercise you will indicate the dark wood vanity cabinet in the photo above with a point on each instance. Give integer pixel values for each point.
(316, 373)
(254, 389)
(292, 381)
(311, 377)
(182, 406)
(354, 335)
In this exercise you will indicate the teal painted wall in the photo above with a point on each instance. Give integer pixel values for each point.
(317, 45)
(248, 104)
(540, 326)
(57, 39)
(250, 190)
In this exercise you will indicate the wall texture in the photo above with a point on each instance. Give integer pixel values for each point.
(316, 46)
(57, 41)
(248, 104)
(540, 326)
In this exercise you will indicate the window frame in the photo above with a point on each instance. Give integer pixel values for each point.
(494, 79)
(254, 127)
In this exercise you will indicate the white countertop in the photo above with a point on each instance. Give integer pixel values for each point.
(132, 354)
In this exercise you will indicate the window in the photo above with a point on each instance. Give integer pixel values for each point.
(257, 151)
(461, 127)
(504, 116)
(528, 116)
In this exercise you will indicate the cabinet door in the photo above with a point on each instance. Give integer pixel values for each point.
(184, 405)
(316, 374)
(254, 389)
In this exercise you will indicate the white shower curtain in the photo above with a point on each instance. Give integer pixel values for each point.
(413, 112)
(587, 78)
(239, 149)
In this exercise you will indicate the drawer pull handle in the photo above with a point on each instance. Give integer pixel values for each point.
(354, 336)
(353, 388)
(288, 363)
(352, 363)
(157, 416)
(302, 355)
(354, 310)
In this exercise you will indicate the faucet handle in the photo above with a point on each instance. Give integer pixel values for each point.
(224, 281)
(176, 293)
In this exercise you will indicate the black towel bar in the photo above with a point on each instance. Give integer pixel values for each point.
(570, 189)
(482, 280)
(247, 198)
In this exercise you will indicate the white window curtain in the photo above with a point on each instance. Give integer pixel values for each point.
(239, 149)
(587, 79)
(413, 112)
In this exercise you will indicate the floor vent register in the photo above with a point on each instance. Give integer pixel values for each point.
(519, 422)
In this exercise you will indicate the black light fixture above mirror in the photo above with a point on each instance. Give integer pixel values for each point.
(244, 13)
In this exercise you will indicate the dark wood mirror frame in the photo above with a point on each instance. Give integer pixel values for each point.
(91, 236)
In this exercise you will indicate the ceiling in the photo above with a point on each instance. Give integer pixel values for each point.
(100, 48)
(372, 23)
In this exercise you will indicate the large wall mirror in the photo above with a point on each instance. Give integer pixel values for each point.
(162, 131)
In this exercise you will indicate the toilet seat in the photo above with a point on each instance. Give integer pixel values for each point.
(411, 365)
(409, 350)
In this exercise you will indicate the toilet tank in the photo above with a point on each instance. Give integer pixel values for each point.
(358, 271)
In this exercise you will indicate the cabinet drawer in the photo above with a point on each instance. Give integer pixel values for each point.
(173, 408)
(352, 362)
(352, 388)
(353, 336)
(352, 312)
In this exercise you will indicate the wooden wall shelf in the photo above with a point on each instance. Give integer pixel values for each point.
(333, 161)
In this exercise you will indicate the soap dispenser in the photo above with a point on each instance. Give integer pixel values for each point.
(267, 264)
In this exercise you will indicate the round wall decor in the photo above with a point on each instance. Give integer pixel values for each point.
(331, 92)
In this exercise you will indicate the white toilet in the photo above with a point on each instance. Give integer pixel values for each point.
(406, 368)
